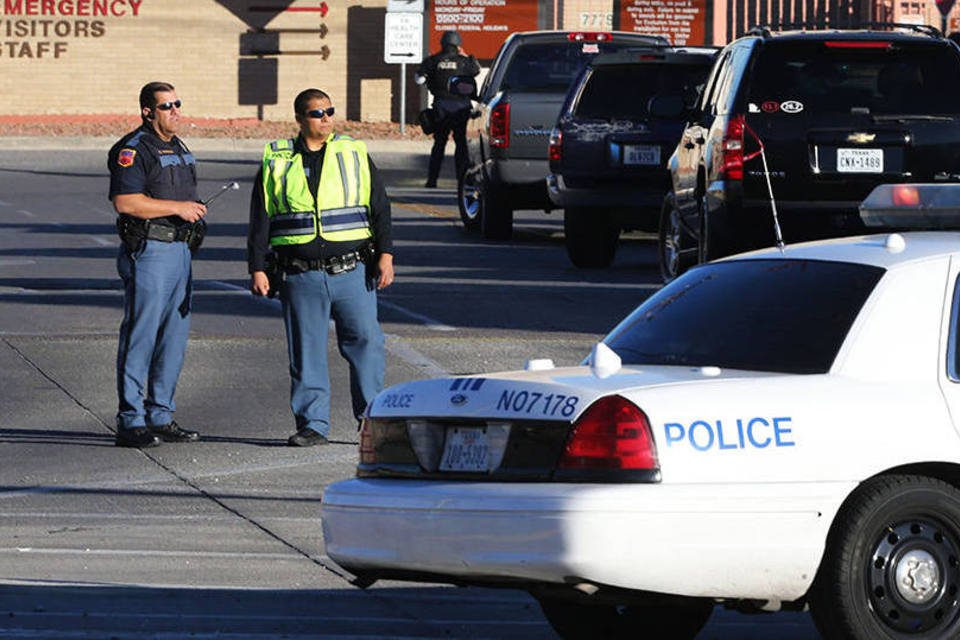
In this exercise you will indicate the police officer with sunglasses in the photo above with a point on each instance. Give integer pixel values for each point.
(153, 187)
(319, 205)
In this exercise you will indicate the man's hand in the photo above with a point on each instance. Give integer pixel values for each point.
(190, 211)
(259, 283)
(385, 266)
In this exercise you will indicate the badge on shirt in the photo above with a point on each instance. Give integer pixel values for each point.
(125, 159)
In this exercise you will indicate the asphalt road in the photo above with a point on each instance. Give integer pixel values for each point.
(221, 538)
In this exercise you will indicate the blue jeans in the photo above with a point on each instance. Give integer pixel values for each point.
(153, 335)
(310, 300)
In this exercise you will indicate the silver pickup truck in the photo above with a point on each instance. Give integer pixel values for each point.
(518, 106)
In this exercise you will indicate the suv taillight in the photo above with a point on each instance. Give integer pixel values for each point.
(500, 126)
(732, 152)
(584, 36)
(555, 153)
(612, 435)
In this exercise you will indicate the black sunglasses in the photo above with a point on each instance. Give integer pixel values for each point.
(319, 113)
(166, 106)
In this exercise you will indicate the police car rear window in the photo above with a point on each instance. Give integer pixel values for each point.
(625, 92)
(788, 316)
(552, 67)
(911, 78)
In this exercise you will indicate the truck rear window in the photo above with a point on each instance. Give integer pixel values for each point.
(788, 316)
(902, 78)
(634, 85)
(552, 67)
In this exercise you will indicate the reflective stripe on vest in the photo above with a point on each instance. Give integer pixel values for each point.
(341, 209)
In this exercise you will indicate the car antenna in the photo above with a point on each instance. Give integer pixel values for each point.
(766, 174)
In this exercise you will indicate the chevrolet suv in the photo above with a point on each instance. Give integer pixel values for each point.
(608, 153)
(813, 121)
(518, 105)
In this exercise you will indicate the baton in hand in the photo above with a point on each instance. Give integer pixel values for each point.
(231, 186)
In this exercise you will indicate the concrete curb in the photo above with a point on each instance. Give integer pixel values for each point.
(199, 145)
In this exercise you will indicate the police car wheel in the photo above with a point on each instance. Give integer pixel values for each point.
(892, 564)
(579, 621)
(676, 247)
(469, 198)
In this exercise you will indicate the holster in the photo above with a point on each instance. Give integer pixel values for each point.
(274, 274)
(196, 234)
(132, 233)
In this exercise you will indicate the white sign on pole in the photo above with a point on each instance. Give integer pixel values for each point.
(403, 38)
(408, 6)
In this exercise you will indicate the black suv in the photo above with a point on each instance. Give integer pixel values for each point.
(518, 105)
(836, 112)
(608, 153)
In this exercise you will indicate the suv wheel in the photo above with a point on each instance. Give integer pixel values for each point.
(677, 248)
(496, 219)
(470, 198)
(591, 237)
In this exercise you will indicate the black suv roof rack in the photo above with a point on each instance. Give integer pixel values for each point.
(767, 30)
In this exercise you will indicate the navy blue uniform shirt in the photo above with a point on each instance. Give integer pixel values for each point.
(141, 162)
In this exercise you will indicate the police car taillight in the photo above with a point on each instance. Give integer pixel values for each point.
(611, 440)
(500, 126)
(555, 150)
(732, 155)
(912, 206)
(858, 44)
(584, 36)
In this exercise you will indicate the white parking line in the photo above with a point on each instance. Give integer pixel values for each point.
(29, 214)
(103, 242)
(430, 323)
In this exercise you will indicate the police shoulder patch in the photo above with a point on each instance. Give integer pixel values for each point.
(125, 159)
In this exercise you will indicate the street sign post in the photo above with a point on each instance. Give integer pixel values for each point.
(403, 44)
(944, 6)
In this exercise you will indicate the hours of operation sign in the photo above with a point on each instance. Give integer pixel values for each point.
(403, 38)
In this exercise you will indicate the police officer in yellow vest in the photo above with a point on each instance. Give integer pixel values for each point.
(320, 207)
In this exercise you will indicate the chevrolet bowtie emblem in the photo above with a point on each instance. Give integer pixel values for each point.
(861, 138)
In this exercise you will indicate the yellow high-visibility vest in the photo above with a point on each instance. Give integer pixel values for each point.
(341, 210)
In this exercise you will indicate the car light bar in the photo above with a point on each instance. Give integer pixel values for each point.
(858, 44)
(913, 206)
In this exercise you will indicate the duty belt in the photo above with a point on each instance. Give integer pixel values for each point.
(332, 265)
(163, 233)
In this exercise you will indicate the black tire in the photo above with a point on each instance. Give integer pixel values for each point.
(891, 569)
(578, 621)
(496, 221)
(591, 237)
(714, 238)
(677, 248)
(469, 198)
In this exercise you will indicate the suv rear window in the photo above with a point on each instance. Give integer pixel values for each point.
(920, 78)
(788, 316)
(550, 67)
(624, 91)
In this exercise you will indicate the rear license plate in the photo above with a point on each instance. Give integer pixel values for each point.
(860, 160)
(465, 449)
(644, 154)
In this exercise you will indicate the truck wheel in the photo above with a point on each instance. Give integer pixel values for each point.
(575, 620)
(677, 248)
(496, 220)
(591, 237)
(891, 568)
(469, 198)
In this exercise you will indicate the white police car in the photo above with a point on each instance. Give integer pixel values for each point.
(772, 429)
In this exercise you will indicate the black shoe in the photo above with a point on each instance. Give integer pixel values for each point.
(306, 438)
(430, 184)
(136, 438)
(173, 433)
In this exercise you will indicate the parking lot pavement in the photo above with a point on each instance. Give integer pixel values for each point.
(222, 538)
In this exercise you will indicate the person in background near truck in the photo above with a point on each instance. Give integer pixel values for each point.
(153, 186)
(452, 110)
(320, 205)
